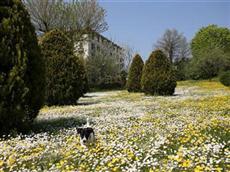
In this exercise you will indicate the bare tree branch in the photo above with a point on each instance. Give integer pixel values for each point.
(128, 56)
(69, 16)
(173, 44)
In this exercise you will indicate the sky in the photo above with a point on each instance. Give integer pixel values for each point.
(140, 23)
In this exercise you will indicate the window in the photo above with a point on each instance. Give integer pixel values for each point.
(92, 46)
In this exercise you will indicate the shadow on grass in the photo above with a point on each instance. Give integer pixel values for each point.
(89, 96)
(49, 126)
(55, 125)
(86, 103)
(176, 95)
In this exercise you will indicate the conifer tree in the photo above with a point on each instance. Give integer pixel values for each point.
(64, 71)
(158, 76)
(134, 76)
(21, 67)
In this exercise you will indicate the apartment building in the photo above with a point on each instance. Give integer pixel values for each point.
(94, 42)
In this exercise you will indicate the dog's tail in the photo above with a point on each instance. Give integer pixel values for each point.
(87, 122)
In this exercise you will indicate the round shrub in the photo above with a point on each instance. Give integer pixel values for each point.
(21, 67)
(134, 76)
(64, 71)
(225, 78)
(158, 76)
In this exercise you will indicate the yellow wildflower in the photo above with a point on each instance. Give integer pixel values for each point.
(186, 163)
(11, 160)
(218, 169)
(1, 163)
(199, 169)
(115, 169)
(151, 170)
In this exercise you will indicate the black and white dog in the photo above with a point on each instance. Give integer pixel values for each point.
(86, 133)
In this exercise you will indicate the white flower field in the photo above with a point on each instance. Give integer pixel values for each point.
(134, 132)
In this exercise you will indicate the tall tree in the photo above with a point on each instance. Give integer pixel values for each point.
(135, 73)
(210, 49)
(211, 37)
(64, 71)
(173, 44)
(68, 16)
(158, 77)
(184, 50)
(22, 72)
(44, 14)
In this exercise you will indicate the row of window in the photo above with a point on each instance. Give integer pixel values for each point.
(96, 47)
(98, 38)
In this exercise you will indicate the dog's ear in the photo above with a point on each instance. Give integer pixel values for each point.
(79, 130)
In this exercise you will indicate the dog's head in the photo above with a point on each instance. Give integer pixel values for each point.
(86, 134)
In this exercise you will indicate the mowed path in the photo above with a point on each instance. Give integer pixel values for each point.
(188, 131)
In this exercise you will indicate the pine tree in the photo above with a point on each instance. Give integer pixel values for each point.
(134, 76)
(21, 67)
(64, 71)
(158, 76)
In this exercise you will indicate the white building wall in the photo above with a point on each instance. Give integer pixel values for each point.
(99, 42)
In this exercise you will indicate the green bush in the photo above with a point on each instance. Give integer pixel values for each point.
(225, 78)
(135, 73)
(209, 38)
(180, 66)
(64, 71)
(21, 67)
(158, 77)
(209, 64)
(103, 69)
(210, 49)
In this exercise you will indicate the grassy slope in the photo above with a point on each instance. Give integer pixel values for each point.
(188, 131)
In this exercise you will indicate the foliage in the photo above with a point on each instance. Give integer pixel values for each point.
(103, 70)
(177, 49)
(135, 73)
(64, 71)
(158, 77)
(208, 64)
(210, 37)
(21, 67)
(211, 50)
(225, 78)
(123, 76)
(111, 83)
(83, 66)
(181, 68)
(174, 45)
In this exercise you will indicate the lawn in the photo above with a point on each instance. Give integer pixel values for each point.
(185, 132)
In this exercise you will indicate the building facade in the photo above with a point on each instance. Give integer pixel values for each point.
(94, 43)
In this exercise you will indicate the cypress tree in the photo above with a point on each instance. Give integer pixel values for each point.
(21, 67)
(64, 71)
(134, 76)
(158, 76)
